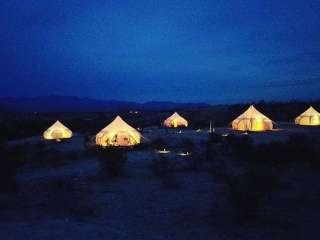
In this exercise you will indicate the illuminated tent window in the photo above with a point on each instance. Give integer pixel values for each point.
(118, 133)
(310, 117)
(175, 120)
(57, 131)
(252, 120)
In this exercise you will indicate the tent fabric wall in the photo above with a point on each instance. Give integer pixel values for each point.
(118, 133)
(310, 117)
(175, 120)
(252, 120)
(57, 131)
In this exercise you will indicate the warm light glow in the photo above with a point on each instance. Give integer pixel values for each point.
(163, 151)
(118, 133)
(175, 120)
(57, 131)
(184, 154)
(252, 120)
(310, 117)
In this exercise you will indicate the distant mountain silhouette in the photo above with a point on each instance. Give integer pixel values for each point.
(77, 104)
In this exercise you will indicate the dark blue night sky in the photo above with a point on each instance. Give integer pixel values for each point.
(215, 51)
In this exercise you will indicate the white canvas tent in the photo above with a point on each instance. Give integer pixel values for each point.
(252, 120)
(175, 120)
(118, 133)
(310, 117)
(57, 131)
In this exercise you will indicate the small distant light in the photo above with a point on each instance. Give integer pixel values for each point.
(163, 151)
(184, 154)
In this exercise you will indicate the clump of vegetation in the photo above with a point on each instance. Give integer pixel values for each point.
(247, 191)
(164, 169)
(112, 161)
(159, 143)
(260, 171)
(162, 166)
(11, 160)
(54, 157)
(72, 155)
(211, 150)
(194, 159)
(247, 188)
(215, 138)
(298, 149)
(187, 144)
(240, 145)
(64, 200)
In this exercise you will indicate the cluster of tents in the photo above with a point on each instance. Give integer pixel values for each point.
(119, 133)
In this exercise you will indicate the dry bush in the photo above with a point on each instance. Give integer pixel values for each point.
(159, 143)
(112, 161)
(11, 160)
(66, 200)
(164, 169)
(247, 191)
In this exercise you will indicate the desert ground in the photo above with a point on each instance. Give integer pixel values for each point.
(202, 188)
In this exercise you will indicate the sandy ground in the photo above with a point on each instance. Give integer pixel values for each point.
(137, 205)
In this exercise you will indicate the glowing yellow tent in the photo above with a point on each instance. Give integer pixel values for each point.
(175, 120)
(310, 117)
(57, 131)
(252, 120)
(118, 133)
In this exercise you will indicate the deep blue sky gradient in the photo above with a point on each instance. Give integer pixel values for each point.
(219, 51)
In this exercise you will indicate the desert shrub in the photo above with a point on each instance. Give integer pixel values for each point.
(39, 151)
(164, 169)
(64, 200)
(54, 157)
(261, 169)
(195, 158)
(247, 191)
(211, 151)
(40, 146)
(170, 181)
(141, 146)
(194, 162)
(298, 149)
(215, 138)
(11, 160)
(240, 145)
(112, 161)
(72, 155)
(256, 177)
(187, 144)
(162, 166)
(159, 143)
(301, 148)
